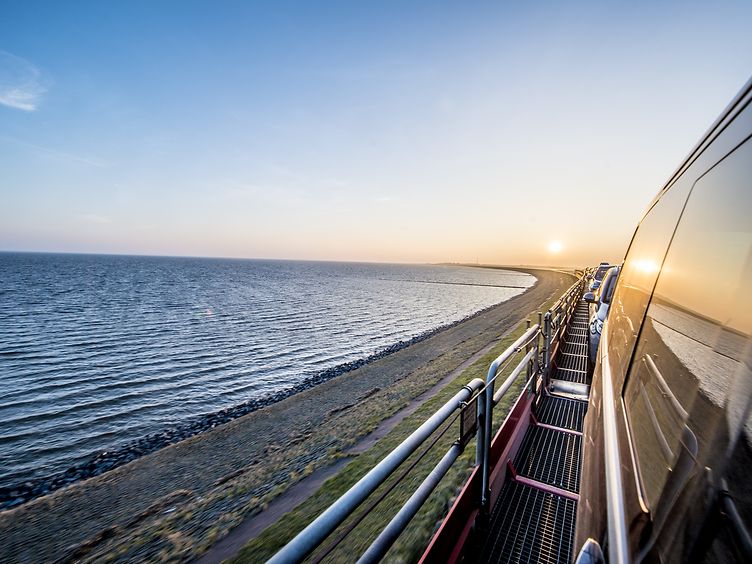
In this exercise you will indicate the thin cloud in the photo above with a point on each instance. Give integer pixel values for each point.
(21, 83)
(95, 218)
(58, 155)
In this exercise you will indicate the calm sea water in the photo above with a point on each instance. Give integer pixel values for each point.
(96, 351)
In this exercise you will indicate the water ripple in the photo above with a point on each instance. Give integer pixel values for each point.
(97, 351)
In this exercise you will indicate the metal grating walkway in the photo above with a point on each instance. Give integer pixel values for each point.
(574, 348)
(551, 457)
(534, 517)
(561, 412)
(577, 376)
(571, 362)
(531, 526)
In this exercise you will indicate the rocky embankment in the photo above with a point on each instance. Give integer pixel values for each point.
(107, 460)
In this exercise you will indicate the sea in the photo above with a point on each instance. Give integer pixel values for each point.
(97, 351)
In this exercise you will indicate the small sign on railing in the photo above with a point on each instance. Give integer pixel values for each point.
(468, 422)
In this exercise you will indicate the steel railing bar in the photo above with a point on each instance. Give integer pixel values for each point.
(310, 537)
(386, 539)
(384, 494)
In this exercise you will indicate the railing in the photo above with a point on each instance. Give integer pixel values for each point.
(473, 407)
(556, 320)
(310, 537)
(490, 400)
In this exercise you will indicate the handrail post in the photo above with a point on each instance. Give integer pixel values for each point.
(488, 429)
(538, 344)
(480, 433)
(488, 401)
(547, 344)
(529, 346)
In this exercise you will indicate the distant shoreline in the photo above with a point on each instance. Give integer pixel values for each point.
(199, 488)
(24, 491)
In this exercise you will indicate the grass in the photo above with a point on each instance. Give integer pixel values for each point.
(417, 534)
(176, 503)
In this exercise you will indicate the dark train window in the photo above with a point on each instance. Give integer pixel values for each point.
(638, 276)
(688, 394)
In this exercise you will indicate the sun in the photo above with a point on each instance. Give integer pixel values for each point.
(555, 247)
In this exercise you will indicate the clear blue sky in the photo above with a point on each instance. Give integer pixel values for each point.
(390, 131)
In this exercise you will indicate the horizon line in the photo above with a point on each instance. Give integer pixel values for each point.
(218, 257)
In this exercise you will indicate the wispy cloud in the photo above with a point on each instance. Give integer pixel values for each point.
(95, 218)
(21, 83)
(56, 154)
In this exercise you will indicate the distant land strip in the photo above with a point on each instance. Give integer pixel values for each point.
(454, 283)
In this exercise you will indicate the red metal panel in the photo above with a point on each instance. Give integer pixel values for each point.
(451, 536)
(448, 542)
(508, 440)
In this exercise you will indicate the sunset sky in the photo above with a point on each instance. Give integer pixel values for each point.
(507, 133)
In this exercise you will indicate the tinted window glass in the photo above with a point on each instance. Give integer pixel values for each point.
(638, 276)
(600, 272)
(605, 290)
(688, 394)
(612, 286)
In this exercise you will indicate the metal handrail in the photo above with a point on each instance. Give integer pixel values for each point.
(556, 319)
(478, 391)
(392, 531)
(310, 537)
(490, 400)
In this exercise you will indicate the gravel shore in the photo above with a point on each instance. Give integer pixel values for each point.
(182, 498)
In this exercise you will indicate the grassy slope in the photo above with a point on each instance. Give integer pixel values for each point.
(415, 537)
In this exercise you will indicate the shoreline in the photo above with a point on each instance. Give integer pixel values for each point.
(98, 463)
(180, 500)
(254, 525)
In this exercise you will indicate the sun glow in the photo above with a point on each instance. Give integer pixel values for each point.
(555, 247)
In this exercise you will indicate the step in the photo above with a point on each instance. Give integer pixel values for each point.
(561, 412)
(570, 375)
(551, 457)
(530, 525)
(572, 361)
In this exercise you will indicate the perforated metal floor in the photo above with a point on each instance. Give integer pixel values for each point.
(571, 360)
(531, 522)
(551, 457)
(530, 525)
(574, 348)
(561, 412)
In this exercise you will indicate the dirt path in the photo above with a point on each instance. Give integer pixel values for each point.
(297, 494)
(254, 525)
(182, 499)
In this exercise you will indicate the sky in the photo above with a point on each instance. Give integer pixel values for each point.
(490, 132)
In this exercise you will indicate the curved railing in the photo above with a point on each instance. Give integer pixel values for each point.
(556, 320)
(472, 407)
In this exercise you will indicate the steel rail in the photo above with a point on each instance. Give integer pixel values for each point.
(504, 388)
(310, 537)
(489, 405)
(392, 531)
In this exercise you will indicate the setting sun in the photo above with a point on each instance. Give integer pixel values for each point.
(555, 247)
